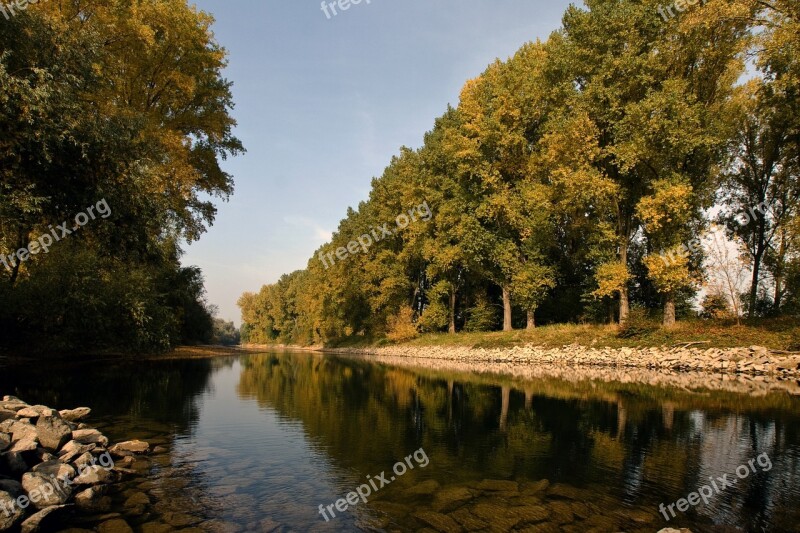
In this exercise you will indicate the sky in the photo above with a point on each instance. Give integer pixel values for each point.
(323, 102)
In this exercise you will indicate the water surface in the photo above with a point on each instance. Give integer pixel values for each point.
(258, 442)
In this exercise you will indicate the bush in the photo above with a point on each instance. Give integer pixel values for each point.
(715, 306)
(638, 324)
(482, 317)
(401, 327)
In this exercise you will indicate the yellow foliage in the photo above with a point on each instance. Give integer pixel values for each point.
(669, 275)
(611, 278)
(401, 326)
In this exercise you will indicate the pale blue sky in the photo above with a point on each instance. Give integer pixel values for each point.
(322, 106)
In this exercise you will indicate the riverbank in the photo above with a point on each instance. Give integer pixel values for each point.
(752, 361)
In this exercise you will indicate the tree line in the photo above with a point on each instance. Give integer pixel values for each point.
(566, 174)
(124, 102)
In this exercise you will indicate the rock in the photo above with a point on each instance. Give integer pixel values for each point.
(92, 500)
(44, 491)
(94, 475)
(53, 432)
(426, 488)
(42, 520)
(498, 485)
(438, 521)
(117, 525)
(13, 463)
(7, 414)
(468, 521)
(27, 444)
(566, 492)
(21, 430)
(140, 498)
(74, 449)
(450, 499)
(14, 488)
(11, 514)
(537, 486)
(55, 469)
(132, 446)
(74, 415)
(45, 456)
(89, 436)
(156, 527)
(671, 530)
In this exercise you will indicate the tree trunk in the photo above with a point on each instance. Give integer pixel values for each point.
(780, 263)
(611, 316)
(507, 310)
(757, 257)
(452, 328)
(531, 320)
(624, 303)
(669, 311)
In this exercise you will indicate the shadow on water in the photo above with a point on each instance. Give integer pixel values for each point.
(258, 442)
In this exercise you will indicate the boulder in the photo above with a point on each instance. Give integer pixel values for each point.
(21, 430)
(132, 446)
(93, 500)
(42, 520)
(45, 491)
(55, 469)
(89, 436)
(94, 475)
(26, 444)
(14, 488)
(53, 432)
(5, 441)
(74, 449)
(7, 414)
(10, 513)
(13, 463)
(74, 415)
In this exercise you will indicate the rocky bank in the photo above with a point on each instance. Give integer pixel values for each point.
(52, 465)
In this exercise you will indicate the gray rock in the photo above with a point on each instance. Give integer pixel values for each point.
(53, 432)
(74, 415)
(42, 519)
(45, 491)
(10, 513)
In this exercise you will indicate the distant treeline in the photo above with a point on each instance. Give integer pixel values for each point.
(567, 174)
(117, 109)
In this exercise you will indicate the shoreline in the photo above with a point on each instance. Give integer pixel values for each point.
(752, 361)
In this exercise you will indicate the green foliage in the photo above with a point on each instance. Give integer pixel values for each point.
(639, 324)
(482, 316)
(225, 333)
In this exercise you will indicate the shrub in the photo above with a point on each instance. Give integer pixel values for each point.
(638, 324)
(401, 326)
(482, 317)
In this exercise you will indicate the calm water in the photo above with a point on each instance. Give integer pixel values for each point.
(258, 442)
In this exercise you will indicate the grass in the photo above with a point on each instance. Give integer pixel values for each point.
(776, 334)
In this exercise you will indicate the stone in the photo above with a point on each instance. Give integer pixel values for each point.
(89, 436)
(140, 498)
(498, 485)
(132, 446)
(156, 527)
(74, 449)
(92, 500)
(26, 444)
(14, 488)
(13, 463)
(467, 520)
(42, 520)
(94, 475)
(438, 521)
(450, 499)
(426, 488)
(7, 414)
(117, 525)
(566, 492)
(44, 491)
(10, 513)
(21, 430)
(537, 486)
(53, 432)
(672, 530)
(74, 415)
(55, 469)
